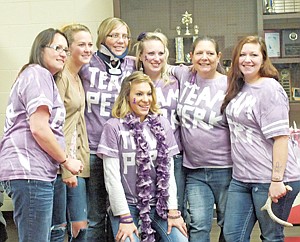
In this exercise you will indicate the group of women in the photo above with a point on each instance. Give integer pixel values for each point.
(159, 140)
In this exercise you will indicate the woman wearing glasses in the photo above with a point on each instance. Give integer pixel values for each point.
(32, 147)
(101, 80)
(70, 205)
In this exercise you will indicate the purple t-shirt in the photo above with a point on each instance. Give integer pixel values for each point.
(101, 90)
(118, 142)
(21, 157)
(167, 98)
(204, 130)
(258, 113)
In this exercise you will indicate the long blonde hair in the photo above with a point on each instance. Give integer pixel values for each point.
(121, 107)
(139, 48)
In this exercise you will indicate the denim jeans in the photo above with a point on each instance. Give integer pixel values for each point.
(243, 210)
(158, 224)
(180, 176)
(97, 199)
(33, 202)
(69, 206)
(206, 187)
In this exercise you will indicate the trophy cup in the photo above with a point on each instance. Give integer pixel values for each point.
(269, 6)
(186, 20)
(196, 29)
(178, 30)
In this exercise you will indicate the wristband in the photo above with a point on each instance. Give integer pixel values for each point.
(276, 180)
(126, 219)
(178, 215)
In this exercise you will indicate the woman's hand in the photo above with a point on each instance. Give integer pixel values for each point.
(126, 230)
(175, 220)
(277, 190)
(71, 181)
(73, 165)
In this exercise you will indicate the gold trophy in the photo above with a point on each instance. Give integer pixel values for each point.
(186, 20)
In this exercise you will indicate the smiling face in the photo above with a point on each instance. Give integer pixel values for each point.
(117, 45)
(81, 48)
(140, 99)
(250, 61)
(205, 59)
(54, 60)
(153, 58)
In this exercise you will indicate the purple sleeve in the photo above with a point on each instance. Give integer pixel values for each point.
(179, 71)
(274, 119)
(170, 138)
(35, 89)
(108, 144)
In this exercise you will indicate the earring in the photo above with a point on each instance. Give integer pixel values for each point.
(141, 67)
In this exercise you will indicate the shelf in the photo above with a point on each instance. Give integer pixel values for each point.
(287, 60)
(281, 16)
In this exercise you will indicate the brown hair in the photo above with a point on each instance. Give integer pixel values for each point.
(43, 39)
(236, 77)
(206, 38)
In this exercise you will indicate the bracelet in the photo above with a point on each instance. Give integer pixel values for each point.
(126, 219)
(174, 216)
(276, 180)
(64, 160)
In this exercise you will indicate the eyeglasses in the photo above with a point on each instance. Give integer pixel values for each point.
(118, 36)
(58, 48)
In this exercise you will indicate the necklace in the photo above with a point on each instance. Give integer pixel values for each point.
(143, 183)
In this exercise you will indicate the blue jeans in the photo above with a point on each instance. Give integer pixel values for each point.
(243, 210)
(206, 187)
(158, 224)
(32, 201)
(69, 206)
(180, 176)
(97, 200)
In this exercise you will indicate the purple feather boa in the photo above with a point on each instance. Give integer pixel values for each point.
(144, 181)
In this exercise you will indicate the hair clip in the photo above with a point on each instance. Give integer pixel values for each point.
(141, 36)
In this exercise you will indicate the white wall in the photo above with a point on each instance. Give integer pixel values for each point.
(22, 20)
